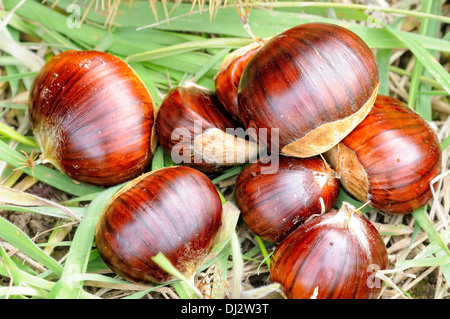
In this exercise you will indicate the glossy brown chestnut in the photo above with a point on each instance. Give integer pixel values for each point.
(273, 204)
(313, 83)
(389, 159)
(228, 77)
(194, 128)
(331, 256)
(92, 117)
(176, 211)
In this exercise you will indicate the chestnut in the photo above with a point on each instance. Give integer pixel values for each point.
(389, 159)
(312, 83)
(273, 204)
(196, 130)
(229, 74)
(331, 256)
(175, 210)
(92, 117)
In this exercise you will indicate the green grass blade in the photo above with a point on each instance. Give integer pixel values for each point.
(187, 47)
(383, 61)
(17, 76)
(423, 79)
(445, 143)
(29, 279)
(264, 252)
(238, 266)
(16, 197)
(215, 60)
(46, 174)
(344, 197)
(54, 20)
(158, 159)
(422, 104)
(13, 270)
(424, 56)
(363, 7)
(425, 262)
(47, 211)
(16, 237)
(22, 291)
(141, 294)
(383, 56)
(69, 287)
(7, 131)
(421, 217)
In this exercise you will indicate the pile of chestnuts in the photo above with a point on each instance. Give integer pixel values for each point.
(300, 109)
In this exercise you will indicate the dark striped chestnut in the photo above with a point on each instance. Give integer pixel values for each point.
(313, 83)
(196, 130)
(92, 117)
(176, 211)
(332, 256)
(273, 204)
(227, 78)
(389, 159)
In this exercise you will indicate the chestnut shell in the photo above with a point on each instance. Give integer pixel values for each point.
(175, 210)
(191, 110)
(229, 75)
(390, 158)
(331, 256)
(314, 83)
(92, 117)
(273, 204)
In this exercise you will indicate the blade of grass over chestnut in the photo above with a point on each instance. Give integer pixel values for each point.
(187, 288)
